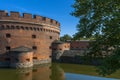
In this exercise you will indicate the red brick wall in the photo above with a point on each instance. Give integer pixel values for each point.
(21, 30)
(62, 46)
(79, 44)
(22, 57)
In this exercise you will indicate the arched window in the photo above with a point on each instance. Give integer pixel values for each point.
(44, 30)
(12, 27)
(31, 28)
(8, 27)
(35, 29)
(26, 28)
(38, 29)
(22, 27)
(17, 27)
(2, 27)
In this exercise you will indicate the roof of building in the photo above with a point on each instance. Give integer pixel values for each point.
(21, 49)
(58, 42)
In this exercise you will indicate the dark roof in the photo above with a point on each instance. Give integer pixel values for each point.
(58, 42)
(21, 49)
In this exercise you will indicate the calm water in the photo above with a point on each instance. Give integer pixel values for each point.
(53, 72)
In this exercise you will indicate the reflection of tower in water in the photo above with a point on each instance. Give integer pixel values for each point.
(57, 72)
(24, 74)
(41, 72)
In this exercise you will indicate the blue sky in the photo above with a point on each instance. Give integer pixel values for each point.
(56, 9)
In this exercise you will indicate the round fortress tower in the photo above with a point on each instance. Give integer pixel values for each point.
(35, 32)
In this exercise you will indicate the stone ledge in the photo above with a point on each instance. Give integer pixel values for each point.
(21, 65)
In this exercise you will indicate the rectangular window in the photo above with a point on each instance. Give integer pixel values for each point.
(8, 35)
(34, 57)
(50, 56)
(50, 37)
(33, 36)
(8, 48)
(27, 59)
(2, 27)
(34, 47)
(50, 47)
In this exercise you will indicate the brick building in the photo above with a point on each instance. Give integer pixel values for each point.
(69, 51)
(34, 32)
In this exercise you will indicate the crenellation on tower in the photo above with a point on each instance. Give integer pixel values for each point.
(34, 32)
(48, 20)
(27, 17)
(3, 13)
(14, 14)
(38, 18)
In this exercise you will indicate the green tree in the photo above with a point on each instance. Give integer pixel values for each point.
(82, 38)
(100, 18)
(65, 37)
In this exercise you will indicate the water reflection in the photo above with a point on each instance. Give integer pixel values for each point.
(70, 76)
(57, 72)
(41, 72)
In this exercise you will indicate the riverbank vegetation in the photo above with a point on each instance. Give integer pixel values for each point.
(101, 19)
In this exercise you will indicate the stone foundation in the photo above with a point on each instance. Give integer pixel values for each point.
(25, 64)
(36, 62)
(21, 65)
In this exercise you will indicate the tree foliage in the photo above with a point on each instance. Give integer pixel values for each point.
(65, 37)
(100, 18)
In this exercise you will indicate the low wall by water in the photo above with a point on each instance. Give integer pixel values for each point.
(77, 57)
(4, 64)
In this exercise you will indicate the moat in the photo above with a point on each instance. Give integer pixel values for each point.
(55, 72)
